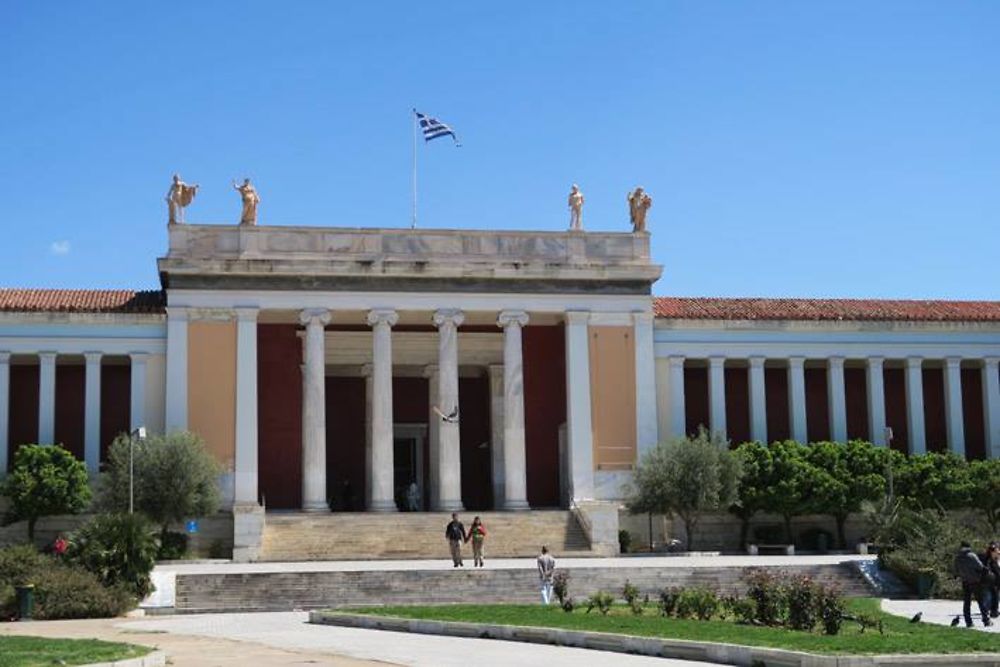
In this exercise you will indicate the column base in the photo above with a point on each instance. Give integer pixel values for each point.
(450, 506)
(516, 505)
(382, 506)
(316, 507)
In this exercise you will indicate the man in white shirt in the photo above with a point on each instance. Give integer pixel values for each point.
(546, 570)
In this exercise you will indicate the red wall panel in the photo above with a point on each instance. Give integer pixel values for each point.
(474, 433)
(70, 385)
(972, 408)
(817, 406)
(23, 428)
(544, 357)
(894, 380)
(776, 397)
(345, 442)
(934, 417)
(116, 403)
(695, 398)
(279, 415)
(737, 405)
(856, 402)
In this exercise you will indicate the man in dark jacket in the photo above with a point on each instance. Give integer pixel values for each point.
(971, 571)
(455, 534)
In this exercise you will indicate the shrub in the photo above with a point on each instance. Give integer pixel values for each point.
(173, 545)
(118, 549)
(803, 603)
(700, 603)
(768, 596)
(45, 480)
(175, 478)
(630, 592)
(568, 605)
(668, 601)
(602, 601)
(19, 563)
(743, 610)
(560, 585)
(832, 610)
(624, 541)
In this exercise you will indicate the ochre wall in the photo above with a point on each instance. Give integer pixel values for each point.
(212, 387)
(544, 361)
(612, 397)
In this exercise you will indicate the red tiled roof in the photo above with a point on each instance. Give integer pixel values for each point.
(81, 301)
(688, 308)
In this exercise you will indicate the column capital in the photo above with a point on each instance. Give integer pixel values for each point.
(246, 313)
(577, 317)
(835, 361)
(796, 362)
(177, 313)
(492, 370)
(367, 370)
(138, 357)
(315, 316)
(47, 357)
(377, 316)
(448, 316)
(508, 318)
(756, 361)
(876, 360)
(914, 362)
(987, 361)
(676, 360)
(642, 317)
(953, 362)
(93, 357)
(4, 357)
(717, 360)
(430, 370)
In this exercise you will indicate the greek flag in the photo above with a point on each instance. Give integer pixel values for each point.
(434, 129)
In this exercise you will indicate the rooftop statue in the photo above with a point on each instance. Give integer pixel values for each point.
(250, 200)
(179, 195)
(575, 209)
(638, 204)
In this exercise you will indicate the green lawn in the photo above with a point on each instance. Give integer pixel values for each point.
(18, 651)
(900, 636)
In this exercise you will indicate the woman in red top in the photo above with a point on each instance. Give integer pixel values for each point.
(477, 533)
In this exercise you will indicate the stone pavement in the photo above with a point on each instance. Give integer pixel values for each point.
(289, 631)
(939, 612)
(164, 576)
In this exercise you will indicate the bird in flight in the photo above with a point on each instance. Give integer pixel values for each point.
(450, 418)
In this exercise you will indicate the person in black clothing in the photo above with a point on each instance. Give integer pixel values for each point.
(991, 560)
(973, 574)
(455, 534)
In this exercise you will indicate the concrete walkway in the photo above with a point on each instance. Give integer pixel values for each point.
(164, 576)
(289, 631)
(938, 612)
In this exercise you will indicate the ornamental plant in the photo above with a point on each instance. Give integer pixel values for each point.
(847, 475)
(45, 480)
(120, 549)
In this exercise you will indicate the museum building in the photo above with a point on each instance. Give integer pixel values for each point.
(375, 369)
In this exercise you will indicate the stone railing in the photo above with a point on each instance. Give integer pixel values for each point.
(226, 242)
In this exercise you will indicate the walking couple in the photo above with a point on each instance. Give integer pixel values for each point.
(455, 534)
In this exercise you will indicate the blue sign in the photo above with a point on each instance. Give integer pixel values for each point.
(192, 526)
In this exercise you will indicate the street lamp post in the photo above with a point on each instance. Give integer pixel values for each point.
(140, 434)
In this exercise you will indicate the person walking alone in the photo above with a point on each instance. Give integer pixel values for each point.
(455, 534)
(546, 571)
(991, 582)
(477, 533)
(972, 572)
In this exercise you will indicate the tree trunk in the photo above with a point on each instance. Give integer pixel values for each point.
(744, 531)
(841, 535)
(788, 528)
(31, 529)
(689, 524)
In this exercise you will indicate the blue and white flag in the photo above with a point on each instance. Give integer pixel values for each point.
(434, 129)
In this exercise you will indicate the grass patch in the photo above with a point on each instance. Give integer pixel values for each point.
(900, 636)
(18, 651)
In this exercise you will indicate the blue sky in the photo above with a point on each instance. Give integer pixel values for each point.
(792, 149)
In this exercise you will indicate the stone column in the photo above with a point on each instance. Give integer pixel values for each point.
(758, 400)
(953, 405)
(314, 498)
(678, 414)
(495, 375)
(876, 401)
(991, 405)
(647, 430)
(137, 390)
(177, 369)
(915, 405)
(449, 449)
(4, 411)
(246, 478)
(514, 460)
(47, 398)
(797, 398)
(717, 395)
(92, 412)
(434, 436)
(837, 399)
(579, 423)
(383, 489)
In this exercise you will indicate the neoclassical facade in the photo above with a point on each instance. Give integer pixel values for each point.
(381, 369)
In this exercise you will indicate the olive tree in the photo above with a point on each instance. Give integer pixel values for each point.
(45, 480)
(686, 477)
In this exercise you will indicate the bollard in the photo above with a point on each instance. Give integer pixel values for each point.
(25, 601)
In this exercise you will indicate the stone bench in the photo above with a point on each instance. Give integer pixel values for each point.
(783, 549)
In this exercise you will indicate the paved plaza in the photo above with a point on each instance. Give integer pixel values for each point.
(938, 612)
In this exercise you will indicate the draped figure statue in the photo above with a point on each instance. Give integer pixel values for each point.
(250, 201)
(179, 196)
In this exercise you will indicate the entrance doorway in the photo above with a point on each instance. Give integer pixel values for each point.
(408, 458)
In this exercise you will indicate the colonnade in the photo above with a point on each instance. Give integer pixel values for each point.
(47, 361)
(913, 367)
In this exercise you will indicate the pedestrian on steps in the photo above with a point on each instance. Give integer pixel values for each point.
(546, 571)
(477, 533)
(455, 534)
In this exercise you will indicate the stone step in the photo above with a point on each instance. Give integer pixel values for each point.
(312, 590)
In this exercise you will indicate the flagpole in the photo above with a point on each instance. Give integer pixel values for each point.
(413, 223)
